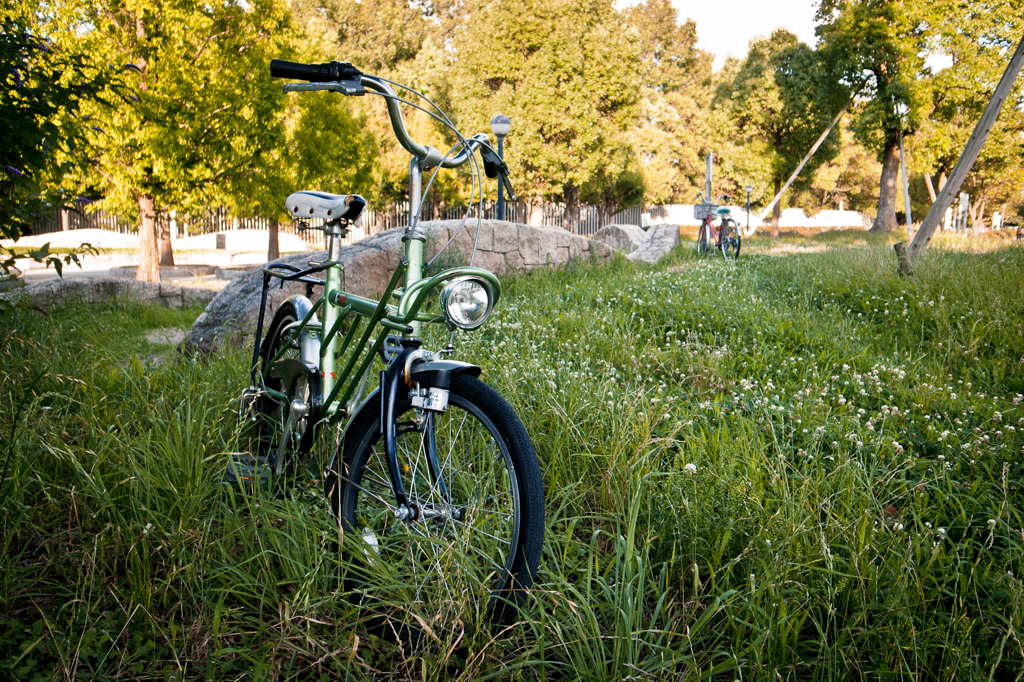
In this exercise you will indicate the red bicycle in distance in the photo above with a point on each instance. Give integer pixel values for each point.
(726, 239)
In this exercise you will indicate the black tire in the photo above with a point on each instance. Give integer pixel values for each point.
(704, 239)
(271, 415)
(474, 558)
(730, 240)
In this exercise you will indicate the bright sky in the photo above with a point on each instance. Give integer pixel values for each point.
(725, 27)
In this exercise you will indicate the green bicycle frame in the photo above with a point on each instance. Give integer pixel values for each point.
(369, 321)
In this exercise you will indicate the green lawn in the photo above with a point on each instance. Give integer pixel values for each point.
(797, 466)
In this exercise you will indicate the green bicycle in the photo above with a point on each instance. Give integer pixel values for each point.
(433, 480)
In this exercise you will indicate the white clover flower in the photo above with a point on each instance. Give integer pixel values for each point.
(690, 468)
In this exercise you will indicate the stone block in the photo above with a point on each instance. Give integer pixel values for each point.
(514, 262)
(538, 246)
(489, 260)
(505, 238)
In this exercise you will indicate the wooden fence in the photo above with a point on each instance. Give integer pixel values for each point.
(375, 220)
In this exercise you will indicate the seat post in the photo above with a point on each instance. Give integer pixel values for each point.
(335, 231)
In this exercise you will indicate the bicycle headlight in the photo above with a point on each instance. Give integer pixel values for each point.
(467, 302)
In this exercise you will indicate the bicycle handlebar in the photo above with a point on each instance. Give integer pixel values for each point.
(344, 78)
(314, 73)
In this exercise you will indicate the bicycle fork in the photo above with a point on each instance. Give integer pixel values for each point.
(392, 381)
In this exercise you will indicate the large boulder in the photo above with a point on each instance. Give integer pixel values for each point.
(658, 241)
(626, 238)
(502, 248)
(105, 289)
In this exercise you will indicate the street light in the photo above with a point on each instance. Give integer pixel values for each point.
(500, 125)
(749, 189)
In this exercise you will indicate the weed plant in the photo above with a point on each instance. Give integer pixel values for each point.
(795, 466)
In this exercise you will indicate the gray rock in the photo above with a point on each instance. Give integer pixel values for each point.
(626, 238)
(105, 289)
(502, 248)
(658, 241)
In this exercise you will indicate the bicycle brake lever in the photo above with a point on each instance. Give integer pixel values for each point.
(494, 167)
(508, 186)
(493, 164)
(353, 87)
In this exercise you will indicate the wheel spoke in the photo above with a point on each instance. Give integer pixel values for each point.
(445, 569)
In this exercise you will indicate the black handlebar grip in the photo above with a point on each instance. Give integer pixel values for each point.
(314, 73)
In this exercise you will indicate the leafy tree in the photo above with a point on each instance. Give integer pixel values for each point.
(376, 36)
(46, 84)
(879, 48)
(565, 73)
(977, 38)
(783, 95)
(622, 189)
(325, 148)
(850, 179)
(673, 131)
(203, 105)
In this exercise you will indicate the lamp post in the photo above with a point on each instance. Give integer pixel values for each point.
(500, 126)
(749, 189)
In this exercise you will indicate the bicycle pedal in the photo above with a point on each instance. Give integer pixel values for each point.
(248, 469)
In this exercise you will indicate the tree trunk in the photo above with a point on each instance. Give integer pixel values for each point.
(572, 214)
(776, 210)
(273, 251)
(149, 253)
(885, 219)
(978, 216)
(536, 211)
(166, 251)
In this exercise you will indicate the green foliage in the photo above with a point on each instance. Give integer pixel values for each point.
(563, 72)
(377, 36)
(45, 86)
(802, 467)
(202, 108)
(786, 96)
(876, 46)
(978, 40)
(671, 135)
(48, 81)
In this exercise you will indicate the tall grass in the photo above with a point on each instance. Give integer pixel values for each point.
(797, 466)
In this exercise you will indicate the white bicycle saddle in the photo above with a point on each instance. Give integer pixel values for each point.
(325, 206)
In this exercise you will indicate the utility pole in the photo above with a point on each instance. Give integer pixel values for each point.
(707, 180)
(906, 255)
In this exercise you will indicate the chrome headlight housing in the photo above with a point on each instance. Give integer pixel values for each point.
(467, 302)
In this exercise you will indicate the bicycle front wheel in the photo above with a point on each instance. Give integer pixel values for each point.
(474, 542)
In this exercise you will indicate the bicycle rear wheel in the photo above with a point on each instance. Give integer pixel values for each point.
(704, 241)
(271, 437)
(473, 482)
